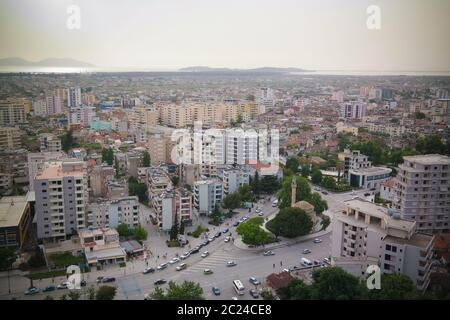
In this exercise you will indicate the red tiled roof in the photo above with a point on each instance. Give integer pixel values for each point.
(279, 280)
(442, 242)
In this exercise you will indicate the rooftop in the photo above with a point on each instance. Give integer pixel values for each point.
(418, 240)
(372, 170)
(56, 170)
(428, 159)
(11, 210)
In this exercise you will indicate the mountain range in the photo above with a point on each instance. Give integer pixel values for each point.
(50, 62)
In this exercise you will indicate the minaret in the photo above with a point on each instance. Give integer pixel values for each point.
(293, 191)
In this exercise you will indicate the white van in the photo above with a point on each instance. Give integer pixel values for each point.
(306, 262)
(275, 203)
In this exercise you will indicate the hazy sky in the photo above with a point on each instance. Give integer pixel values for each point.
(168, 34)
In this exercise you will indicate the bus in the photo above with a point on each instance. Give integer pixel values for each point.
(239, 287)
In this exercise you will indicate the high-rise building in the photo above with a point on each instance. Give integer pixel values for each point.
(234, 178)
(10, 138)
(353, 110)
(37, 162)
(50, 143)
(12, 112)
(369, 234)
(73, 97)
(353, 159)
(61, 191)
(53, 104)
(207, 194)
(422, 191)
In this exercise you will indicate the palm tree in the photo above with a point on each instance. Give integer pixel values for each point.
(339, 167)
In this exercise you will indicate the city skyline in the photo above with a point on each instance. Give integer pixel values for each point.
(323, 35)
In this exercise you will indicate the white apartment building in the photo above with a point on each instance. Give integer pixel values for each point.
(74, 97)
(207, 194)
(369, 234)
(110, 214)
(422, 191)
(61, 191)
(50, 143)
(353, 110)
(352, 160)
(158, 181)
(37, 162)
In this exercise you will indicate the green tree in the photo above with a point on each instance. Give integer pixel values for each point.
(175, 180)
(91, 293)
(292, 164)
(394, 287)
(105, 293)
(420, 115)
(269, 184)
(216, 215)
(296, 290)
(73, 295)
(146, 159)
(139, 233)
(290, 223)
(123, 230)
(431, 144)
(255, 184)
(108, 156)
(329, 183)
(316, 176)
(173, 234)
(232, 201)
(303, 191)
(320, 205)
(182, 225)
(135, 188)
(67, 140)
(245, 192)
(7, 258)
(334, 283)
(48, 298)
(305, 171)
(188, 290)
(252, 234)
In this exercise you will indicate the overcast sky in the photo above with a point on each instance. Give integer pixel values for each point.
(168, 34)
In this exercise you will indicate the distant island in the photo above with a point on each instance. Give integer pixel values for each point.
(50, 62)
(254, 70)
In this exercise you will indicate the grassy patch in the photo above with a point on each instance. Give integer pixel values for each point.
(200, 229)
(172, 243)
(48, 274)
(256, 220)
(65, 259)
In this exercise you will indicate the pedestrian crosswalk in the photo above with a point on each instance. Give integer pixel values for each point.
(215, 259)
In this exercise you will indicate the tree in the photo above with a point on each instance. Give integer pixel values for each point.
(420, 115)
(232, 201)
(339, 167)
(135, 188)
(146, 159)
(174, 232)
(431, 144)
(123, 230)
(175, 180)
(268, 184)
(319, 204)
(48, 298)
(73, 295)
(139, 233)
(316, 176)
(329, 183)
(255, 184)
(305, 171)
(105, 293)
(394, 287)
(188, 290)
(245, 192)
(296, 290)
(216, 215)
(91, 293)
(303, 191)
(67, 140)
(290, 223)
(108, 156)
(7, 258)
(292, 164)
(334, 283)
(252, 234)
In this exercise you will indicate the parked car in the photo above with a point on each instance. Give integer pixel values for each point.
(254, 293)
(211, 239)
(225, 230)
(268, 253)
(99, 279)
(254, 281)
(327, 260)
(236, 224)
(207, 271)
(234, 298)
(108, 279)
(216, 291)
(231, 264)
(366, 194)
(317, 263)
(63, 285)
(49, 288)
(148, 270)
(317, 240)
(195, 249)
(32, 290)
(181, 266)
(324, 192)
(260, 214)
(258, 210)
(306, 251)
(161, 266)
(160, 282)
(174, 260)
(205, 254)
(218, 234)
(227, 239)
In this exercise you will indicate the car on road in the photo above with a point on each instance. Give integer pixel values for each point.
(161, 266)
(268, 253)
(195, 250)
(174, 260)
(317, 263)
(216, 291)
(236, 224)
(32, 290)
(231, 264)
(286, 270)
(324, 192)
(108, 279)
(63, 285)
(148, 270)
(207, 271)
(260, 214)
(218, 234)
(306, 251)
(258, 210)
(254, 293)
(241, 220)
(185, 255)
(317, 240)
(225, 230)
(211, 239)
(227, 239)
(254, 281)
(366, 194)
(159, 282)
(327, 260)
(205, 254)
(99, 279)
(181, 266)
(206, 242)
(49, 288)
(373, 189)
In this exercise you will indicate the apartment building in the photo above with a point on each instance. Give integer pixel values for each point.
(353, 110)
(36, 163)
(158, 181)
(157, 145)
(16, 216)
(61, 191)
(73, 97)
(110, 214)
(81, 115)
(12, 112)
(233, 178)
(352, 160)
(422, 191)
(10, 138)
(144, 117)
(183, 205)
(102, 246)
(368, 234)
(50, 143)
(207, 194)
(98, 179)
(163, 205)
